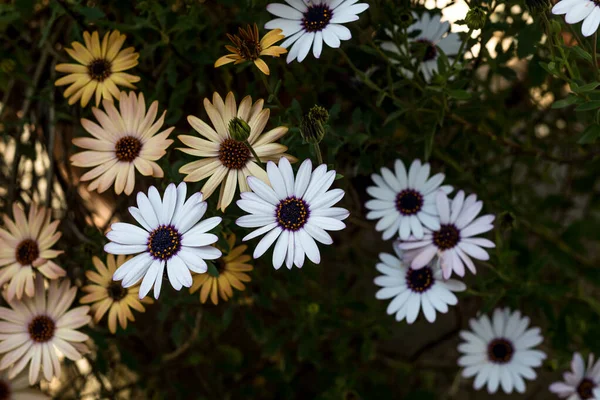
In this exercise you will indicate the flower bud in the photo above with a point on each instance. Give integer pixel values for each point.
(476, 18)
(405, 19)
(239, 129)
(313, 125)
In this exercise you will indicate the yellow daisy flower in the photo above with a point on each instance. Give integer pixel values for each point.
(232, 270)
(123, 142)
(108, 295)
(229, 161)
(25, 248)
(99, 68)
(248, 46)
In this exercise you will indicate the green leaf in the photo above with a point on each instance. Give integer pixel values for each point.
(586, 88)
(581, 53)
(565, 102)
(212, 269)
(590, 134)
(591, 105)
(459, 94)
(91, 13)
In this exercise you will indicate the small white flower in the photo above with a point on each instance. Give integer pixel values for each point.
(453, 242)
(414, 289)
(173, 236)
(431, 37)
(405, 202)
(500, 352)
(576, 11)
(293, 212)
(309, 23)
(581, 383)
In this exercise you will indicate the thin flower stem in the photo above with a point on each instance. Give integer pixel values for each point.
(270, 91)
(462, 48)
(254, 154)
(318, 151)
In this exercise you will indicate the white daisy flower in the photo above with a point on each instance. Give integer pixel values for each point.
(35, 329)
(431, 36)
(309, 23)
(405, 202)
(173, 236)
(576, 11)
(453, 242)
(500, 352)
(581, 383)
(414, 289)
(293, 212)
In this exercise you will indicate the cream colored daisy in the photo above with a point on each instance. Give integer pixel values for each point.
(106, 294)
(122, 143)
(228, 161)
(35, 329)
(231, 267)
(18, 388)
(26, 247)
(99, 68)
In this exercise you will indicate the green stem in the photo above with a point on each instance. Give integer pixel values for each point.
(462, 48)
(318, 151)
(254, 154)
(270, 91)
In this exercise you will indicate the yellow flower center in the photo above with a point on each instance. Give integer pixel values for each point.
(128, 148)
(41, 329)
(233, 154)
(99, 69)
(27, 252)
(116, 291)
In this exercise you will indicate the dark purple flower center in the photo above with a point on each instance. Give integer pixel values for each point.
(164, 242)
(500, 351)
(446, 237)
(419, 280)
(292, 213)
(409, 202)
(317, 17)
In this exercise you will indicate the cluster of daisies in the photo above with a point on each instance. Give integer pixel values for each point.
(435, 238)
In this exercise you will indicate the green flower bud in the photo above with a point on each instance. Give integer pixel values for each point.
(239, 129)
(313, 308)
(405, 19)
(476, 18)
(313, 125)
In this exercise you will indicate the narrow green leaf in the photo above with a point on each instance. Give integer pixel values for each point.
(459, 94)
(565, 102)
(586, 88)
(590, 134)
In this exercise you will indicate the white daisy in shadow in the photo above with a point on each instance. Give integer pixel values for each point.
(172, 236)
(431, 36)
(404, 202)
(454, 242)
(310, 23)
(33, 330)
(413, 290)
(576, 11)
(581, 383)
(292, 211)
(500, 352)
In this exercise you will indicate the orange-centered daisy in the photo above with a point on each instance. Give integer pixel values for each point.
(99, 68)
(232, 267)
(122, 142)
(227, 160)
(108, 295)
(25, 247)
(248, 46)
